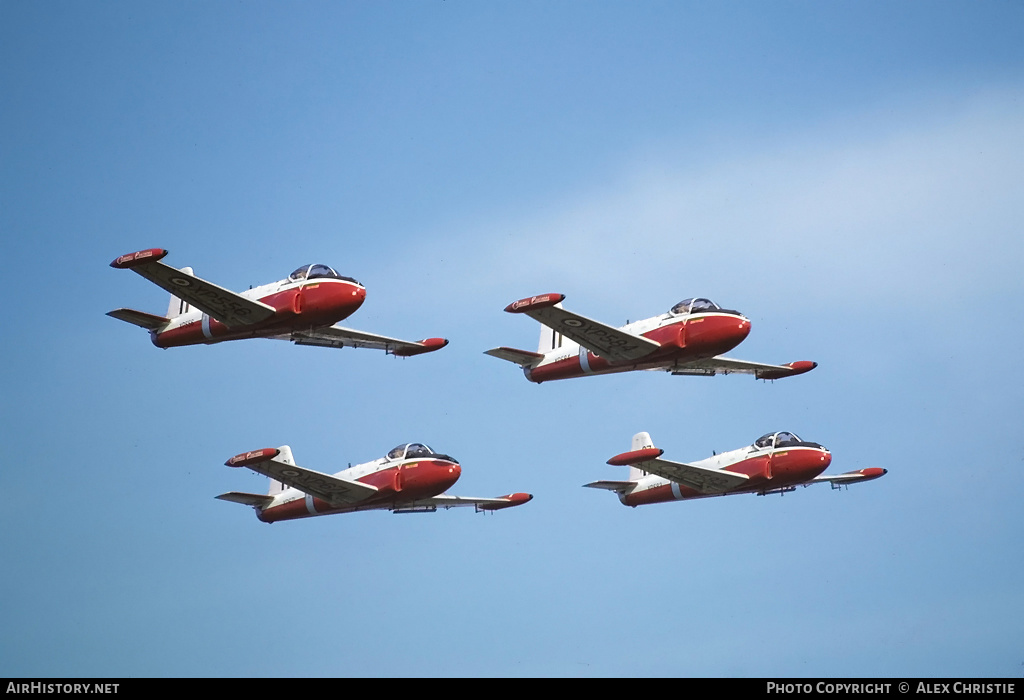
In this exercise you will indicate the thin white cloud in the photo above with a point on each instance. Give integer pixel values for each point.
(912, 206)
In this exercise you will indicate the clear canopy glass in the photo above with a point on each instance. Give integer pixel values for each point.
(317, 271)
(777, 440)
(695, 305)
(410, 450)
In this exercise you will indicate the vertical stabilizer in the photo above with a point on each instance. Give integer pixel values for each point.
(641, 441)
(177, 307)
(284, 455)
(550, 339)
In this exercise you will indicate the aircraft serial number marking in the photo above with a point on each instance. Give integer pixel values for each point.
(599, 333)
(311, 481)
(210, 296)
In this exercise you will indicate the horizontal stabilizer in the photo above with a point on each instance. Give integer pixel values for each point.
(617, 486)
(139, 318)
(246, 499)
(523, 358)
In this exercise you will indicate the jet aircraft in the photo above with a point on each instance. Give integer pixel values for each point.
(411, 478)
(300, 308)
(687, 340)
(775, 463)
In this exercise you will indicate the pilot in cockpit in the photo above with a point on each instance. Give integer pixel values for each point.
(417, 450)
(692, 306)
(410, 450)
(317, 271)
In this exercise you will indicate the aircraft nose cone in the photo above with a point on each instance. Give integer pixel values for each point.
(359, 295)
(448, 474)
(453, 473)
(717, 333)
(826, 458)
(736, 327)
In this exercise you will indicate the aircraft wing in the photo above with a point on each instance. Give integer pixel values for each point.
(851, 477)
(613, 344)
(334, 490)
(728, 365)
(339, 337)
(233, 310)
(700, 478)
(444, 501)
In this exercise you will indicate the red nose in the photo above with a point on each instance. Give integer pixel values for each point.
(716, 334)
(357, 296)
(443, 475)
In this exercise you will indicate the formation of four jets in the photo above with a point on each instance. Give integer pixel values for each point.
(306, 306)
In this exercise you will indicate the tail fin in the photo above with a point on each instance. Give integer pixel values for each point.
(177, 307)
(550, 339)
(284, 455)
(641, 441)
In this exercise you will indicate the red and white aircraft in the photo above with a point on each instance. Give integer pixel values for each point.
(301, 308)
(686, 340)
(412, 478)
(775, 463)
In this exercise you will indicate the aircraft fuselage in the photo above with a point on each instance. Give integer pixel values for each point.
(398, 482)
(683, 340)
(768, 470)
(298, 306)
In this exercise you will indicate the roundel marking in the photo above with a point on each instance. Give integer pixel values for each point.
(181, 282)
(572, 323)
(289, 472)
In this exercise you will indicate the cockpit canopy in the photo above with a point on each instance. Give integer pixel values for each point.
(781, 440)
(416, 450)
(693, 306)
(317, 271)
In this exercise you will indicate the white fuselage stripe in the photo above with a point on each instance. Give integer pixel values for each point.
(584, 360)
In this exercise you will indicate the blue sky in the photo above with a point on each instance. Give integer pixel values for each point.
(846, 174)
